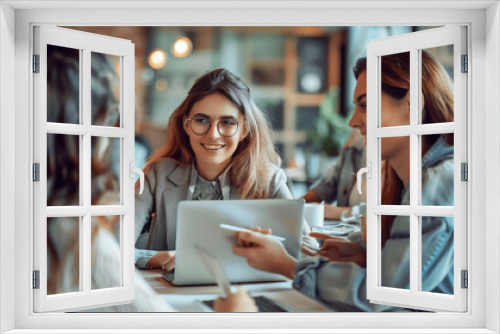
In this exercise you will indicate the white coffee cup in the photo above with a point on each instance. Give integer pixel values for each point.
(314, 213)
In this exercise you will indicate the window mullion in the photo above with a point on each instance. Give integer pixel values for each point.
(416, 62)
(433, 128)
(102, 131)
(85, 246)
(414, 167)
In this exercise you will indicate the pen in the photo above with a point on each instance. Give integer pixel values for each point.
(241, 229)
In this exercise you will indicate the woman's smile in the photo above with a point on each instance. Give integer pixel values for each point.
(213, 147)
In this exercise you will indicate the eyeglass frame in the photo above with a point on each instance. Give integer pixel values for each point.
(218, 130)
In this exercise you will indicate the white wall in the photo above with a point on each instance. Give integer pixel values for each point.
(493, 163)
(7, 186)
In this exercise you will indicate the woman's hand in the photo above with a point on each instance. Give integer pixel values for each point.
(239, 301)
(337, 249)
(334, 212)
(264, 253)
(256, 229)
(164, 260)
(265, 231)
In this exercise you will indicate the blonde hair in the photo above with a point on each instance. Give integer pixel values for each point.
(252, 160)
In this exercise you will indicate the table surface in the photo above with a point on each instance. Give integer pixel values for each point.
(186, 298)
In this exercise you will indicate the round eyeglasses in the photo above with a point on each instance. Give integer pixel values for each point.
(227, 127)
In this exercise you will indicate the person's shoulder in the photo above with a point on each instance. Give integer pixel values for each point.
(441, 169)
(275, 170)
(165, 166)
(438, 180)
(276, 174)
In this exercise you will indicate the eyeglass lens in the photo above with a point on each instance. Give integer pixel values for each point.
(227, 127)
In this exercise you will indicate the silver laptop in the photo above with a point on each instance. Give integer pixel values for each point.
(199, 223)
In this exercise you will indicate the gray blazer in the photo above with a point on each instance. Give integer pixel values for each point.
(339, 181)
(165, 185)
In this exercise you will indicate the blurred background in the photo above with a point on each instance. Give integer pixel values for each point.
(301, 77)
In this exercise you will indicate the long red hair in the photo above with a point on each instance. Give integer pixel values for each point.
(437, 89)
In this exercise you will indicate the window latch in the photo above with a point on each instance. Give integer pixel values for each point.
(132, 171)
(368, 171)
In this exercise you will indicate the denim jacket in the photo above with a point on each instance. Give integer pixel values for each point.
(343, 285)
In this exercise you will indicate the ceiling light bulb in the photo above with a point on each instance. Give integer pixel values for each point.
(157, 59)
(182, 47)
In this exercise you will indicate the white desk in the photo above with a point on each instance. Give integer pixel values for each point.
(184, 298)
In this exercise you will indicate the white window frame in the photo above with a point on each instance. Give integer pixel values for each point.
(86, 43)
(483, 20)
(412, 43)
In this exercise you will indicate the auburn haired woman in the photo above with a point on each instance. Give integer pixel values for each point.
(338, 278)
(219, 146)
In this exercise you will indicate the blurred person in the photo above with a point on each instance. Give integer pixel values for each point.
(63, 175)
(338, 277)
(219, 147)
(339, 181)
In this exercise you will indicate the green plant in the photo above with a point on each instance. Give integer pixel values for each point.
(331, 129)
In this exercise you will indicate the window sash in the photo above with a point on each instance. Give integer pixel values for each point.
(86, 43)
(412, 43)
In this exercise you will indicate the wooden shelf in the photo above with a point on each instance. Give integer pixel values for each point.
(289, 137)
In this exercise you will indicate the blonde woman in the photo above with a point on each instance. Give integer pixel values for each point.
(219, 147)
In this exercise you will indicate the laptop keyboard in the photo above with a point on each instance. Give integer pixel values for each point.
(263, 303)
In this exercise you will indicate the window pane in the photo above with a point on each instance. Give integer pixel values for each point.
(438, 170)
(395, 155)
(105, 87)
(63, 255)
(437, 254)
(63, 170)
(395, 88)
(395, 242)
(106, 270)
(63, 85)
(437, 85)
(105, 170)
